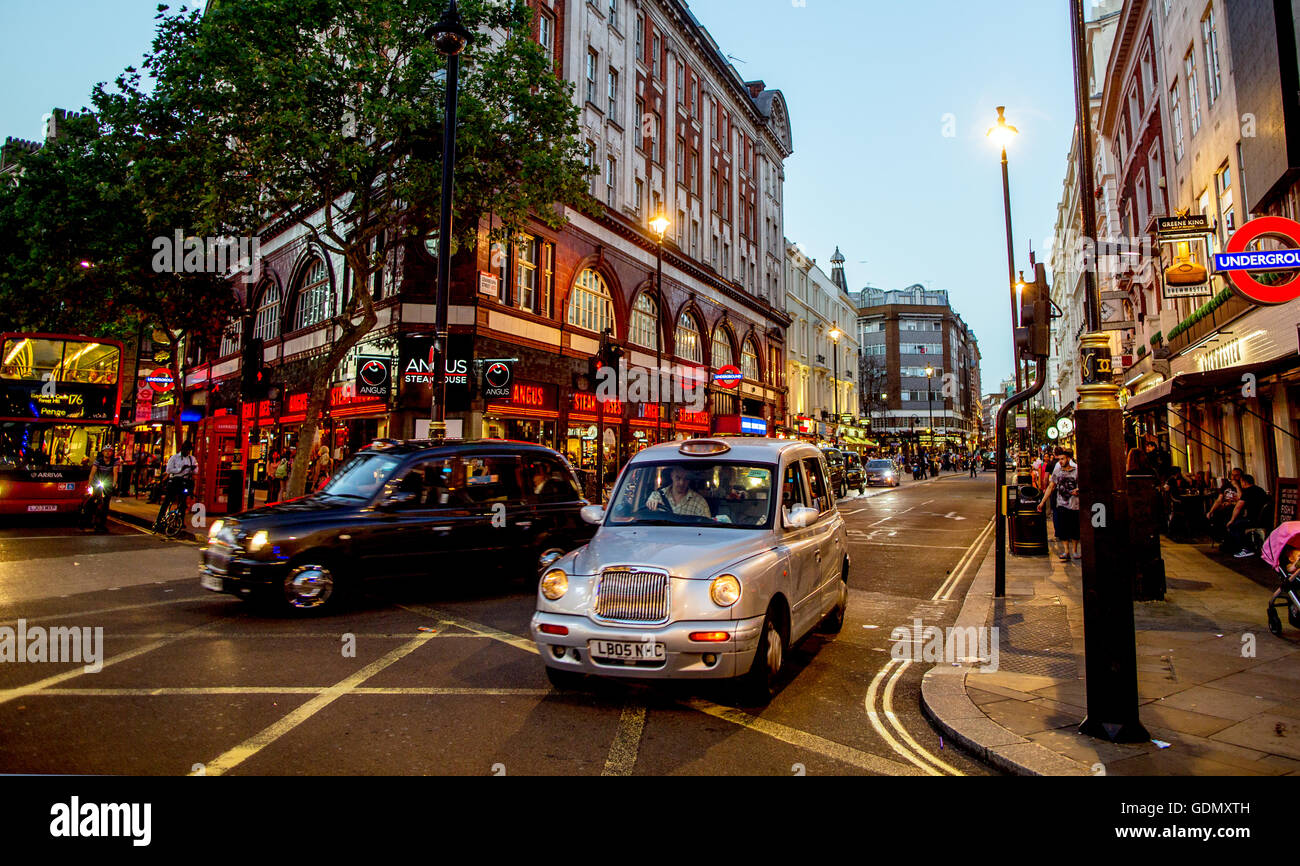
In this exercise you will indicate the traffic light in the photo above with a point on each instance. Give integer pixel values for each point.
(255, 378)
(1033, 336)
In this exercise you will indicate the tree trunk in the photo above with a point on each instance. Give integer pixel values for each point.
(320, 391)
(178, 390)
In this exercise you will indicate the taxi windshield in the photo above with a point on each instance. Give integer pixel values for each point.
(362, 476)
(694, 493)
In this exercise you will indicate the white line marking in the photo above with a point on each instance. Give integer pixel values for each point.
(963, 564)
(192, 691)
(811, 742)
(627, 742)
(892, 516)
(899, 544)
(97, 612)
(259, 741)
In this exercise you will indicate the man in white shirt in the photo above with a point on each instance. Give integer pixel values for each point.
(181, 469)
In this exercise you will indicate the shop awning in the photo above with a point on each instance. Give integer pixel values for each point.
(1191, 386)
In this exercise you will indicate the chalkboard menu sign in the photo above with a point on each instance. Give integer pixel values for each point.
(1287, 498)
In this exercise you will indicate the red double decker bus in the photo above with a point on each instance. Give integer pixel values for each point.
(60, 400)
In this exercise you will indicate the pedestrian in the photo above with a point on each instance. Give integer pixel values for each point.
(279, 477)
(974, 462)
(1065, 514)
(1247, 514)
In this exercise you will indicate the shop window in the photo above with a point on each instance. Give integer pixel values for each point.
(590, 306)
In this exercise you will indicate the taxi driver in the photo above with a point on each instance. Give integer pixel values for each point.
(678, 497)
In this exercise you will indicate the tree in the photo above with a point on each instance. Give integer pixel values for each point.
(329, 113)
(76, 243)
(873, 382)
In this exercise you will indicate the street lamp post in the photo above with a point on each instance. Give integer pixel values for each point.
(449, 37)
(1110, 639)
(835, 333)
(929, 400)
(660, 226)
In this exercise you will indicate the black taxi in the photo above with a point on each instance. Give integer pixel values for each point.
(400, 509)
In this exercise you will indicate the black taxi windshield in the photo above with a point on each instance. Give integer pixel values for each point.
(362, 476)
(694, 493)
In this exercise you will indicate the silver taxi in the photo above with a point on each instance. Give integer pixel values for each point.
(714, 557)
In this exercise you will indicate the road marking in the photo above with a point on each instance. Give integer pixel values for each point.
(478, 628)
(883, 731)
(87, 613)
(256, 743)
(627, 741)
(945, 589)
(892, 516)
(811, 742)
(7, 695)
(201, 691)
(902, 732)
(899, 544)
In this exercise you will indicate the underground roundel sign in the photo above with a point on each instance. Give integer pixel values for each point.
(727, 377)
(161, 380)
(1241, 264)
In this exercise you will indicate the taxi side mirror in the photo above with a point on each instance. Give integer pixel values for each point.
(593, 514)
(800, 517)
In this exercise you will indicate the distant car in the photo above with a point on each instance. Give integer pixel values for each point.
(835, 463)
(715, 557)
(881, 471)
(401, 509)
(854, 474)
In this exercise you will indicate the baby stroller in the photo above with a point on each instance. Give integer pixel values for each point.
(1284, 558)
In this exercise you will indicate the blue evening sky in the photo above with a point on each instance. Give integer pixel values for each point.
(868, 82)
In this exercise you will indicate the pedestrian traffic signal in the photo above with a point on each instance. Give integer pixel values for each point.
(255, 377)
(1033, 336)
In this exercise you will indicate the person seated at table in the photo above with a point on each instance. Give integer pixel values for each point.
(1247, 514)
(1221, 510)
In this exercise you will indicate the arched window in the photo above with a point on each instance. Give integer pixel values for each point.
(722, 354)
(689, 345)
(749, 362)
(267, 324)
(232, 337)
(645, 321)
(589, 303)
(313, 297)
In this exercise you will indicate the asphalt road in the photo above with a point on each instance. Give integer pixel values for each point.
(443, 679)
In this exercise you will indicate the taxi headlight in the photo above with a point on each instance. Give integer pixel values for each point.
(555, 583)
(259, 540)
(725, 590)
(215, 529)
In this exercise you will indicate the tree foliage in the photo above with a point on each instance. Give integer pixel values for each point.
(329, 113)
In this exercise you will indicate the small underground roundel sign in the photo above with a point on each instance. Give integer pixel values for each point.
(727, 377)
(497, 380)
(374, 377)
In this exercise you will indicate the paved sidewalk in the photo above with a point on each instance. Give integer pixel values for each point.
(1221, 711)
(138, 511)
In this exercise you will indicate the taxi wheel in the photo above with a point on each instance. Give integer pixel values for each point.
(758, 686)
(311, 586)
(564, 681)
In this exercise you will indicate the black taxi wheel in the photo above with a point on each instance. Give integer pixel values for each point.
(310, 586)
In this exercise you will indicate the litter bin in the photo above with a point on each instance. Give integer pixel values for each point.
(1028, 524)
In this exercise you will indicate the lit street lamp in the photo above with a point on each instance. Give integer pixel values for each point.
(929, 399)
(659, 225)
(449, 37)
(835, 333)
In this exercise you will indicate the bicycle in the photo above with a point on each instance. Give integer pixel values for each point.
(172, 523)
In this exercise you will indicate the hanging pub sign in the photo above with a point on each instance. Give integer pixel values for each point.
(374, 377)
(1263, 276)
(498, 379)
(1185, 256)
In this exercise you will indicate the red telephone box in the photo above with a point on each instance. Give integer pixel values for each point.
(217, 451)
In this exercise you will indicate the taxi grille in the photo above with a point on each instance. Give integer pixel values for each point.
(624, 595)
